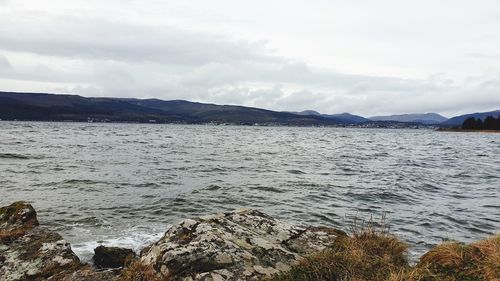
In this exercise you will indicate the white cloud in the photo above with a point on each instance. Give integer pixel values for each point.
(4, 62)
(330, 56)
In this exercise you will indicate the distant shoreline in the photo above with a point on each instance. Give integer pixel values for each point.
(466, 131)
(388, 125)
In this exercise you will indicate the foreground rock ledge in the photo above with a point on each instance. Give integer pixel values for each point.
(238, 245)
(32, 252)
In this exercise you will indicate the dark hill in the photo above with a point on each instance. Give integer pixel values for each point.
(346, 118)
(458, 120)
(50, 107)
(423, 118)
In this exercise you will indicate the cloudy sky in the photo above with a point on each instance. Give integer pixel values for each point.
(363, 57)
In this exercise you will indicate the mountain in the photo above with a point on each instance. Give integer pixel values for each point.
(351, 118)
(424, 118)
(458, 120)
(308, 112)
(342, 117)
(51, 107)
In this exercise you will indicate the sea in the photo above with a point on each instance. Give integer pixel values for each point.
(125, 184)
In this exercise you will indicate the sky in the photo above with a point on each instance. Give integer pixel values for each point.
(363, 57)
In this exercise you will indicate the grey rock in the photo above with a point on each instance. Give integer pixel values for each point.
(112, 257)
(239, 245)
(32, 252)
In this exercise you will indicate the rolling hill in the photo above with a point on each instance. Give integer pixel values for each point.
(51, 107)
(424, 118)
(341, 117)
(458, 120)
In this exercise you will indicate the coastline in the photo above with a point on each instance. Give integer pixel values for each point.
(239, 245)
(466, 131)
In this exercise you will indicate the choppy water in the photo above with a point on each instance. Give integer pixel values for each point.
(126, 183)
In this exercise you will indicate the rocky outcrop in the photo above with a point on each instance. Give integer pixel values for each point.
(112, 257)
(31, 252)
(239, 245)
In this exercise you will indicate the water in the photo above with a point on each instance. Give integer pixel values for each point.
(124, 184)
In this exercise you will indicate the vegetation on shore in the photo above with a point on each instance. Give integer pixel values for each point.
(489, 123)
(369, 253)
(372, 255)
(457, 261)
(365, 255)
(21, 217)
(137, 271)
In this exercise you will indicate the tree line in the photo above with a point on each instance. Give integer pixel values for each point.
(489, 123)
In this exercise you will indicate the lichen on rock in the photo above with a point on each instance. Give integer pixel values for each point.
(239, 245)
(32, 252)
(15, 220)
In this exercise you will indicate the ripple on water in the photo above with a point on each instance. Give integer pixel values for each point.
(296, 172)
(96, 182)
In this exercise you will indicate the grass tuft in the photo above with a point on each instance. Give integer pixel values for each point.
(370, 253)
(457, 261)
(138, 271)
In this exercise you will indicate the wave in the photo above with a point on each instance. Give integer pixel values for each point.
(135, 241)
(267, 188)
(296, 172)
(14, 156)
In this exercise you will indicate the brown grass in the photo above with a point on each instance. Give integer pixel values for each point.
(9, 236)
(17, 221)
(372, 254)
(368, 254)
(457, 261)
(138, 271)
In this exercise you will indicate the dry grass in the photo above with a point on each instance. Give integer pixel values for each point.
(456, 261)
(489, 257)
(8, 236)
(370, 253)
(137, 271)
(453, 261)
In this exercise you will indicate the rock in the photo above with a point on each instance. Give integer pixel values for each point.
(31, 252)
(239, 245)
(15, 220)
(87, 273)
(112, 257)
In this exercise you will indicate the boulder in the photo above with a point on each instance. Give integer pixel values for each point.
(15, 220)
(112, 257)
(239, 245)
(32, 252)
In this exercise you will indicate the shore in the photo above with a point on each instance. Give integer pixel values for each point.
(239, 245)
(466, 131)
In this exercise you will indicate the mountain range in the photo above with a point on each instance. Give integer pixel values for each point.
(59, 107)
(345, 117)
(458, 120)
(50, 107)
(424, 118)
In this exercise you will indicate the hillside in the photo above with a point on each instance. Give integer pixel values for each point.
(424, 118)
(458, 120)
(342, 117)
(51, 107)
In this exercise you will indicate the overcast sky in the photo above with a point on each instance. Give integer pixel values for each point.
(363, 57)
